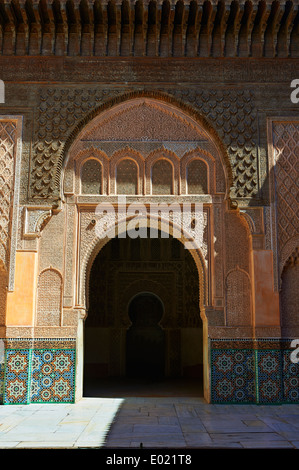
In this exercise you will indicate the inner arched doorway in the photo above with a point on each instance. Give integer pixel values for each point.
(145, 339)
(143, 327)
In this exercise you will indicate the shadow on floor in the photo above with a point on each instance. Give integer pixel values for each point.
(125, 387)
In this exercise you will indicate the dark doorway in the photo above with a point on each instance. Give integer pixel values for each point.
(143, 333)
(145, 345)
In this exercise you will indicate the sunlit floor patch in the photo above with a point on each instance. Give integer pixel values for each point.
(86, 423)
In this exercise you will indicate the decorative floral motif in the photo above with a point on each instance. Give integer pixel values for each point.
(257, 375)
(225, 389)
(62, 363)
(269, 389)
(18, 364)
(46, 369)
(35, 387)
(269, 364)
(1, 382)
(290, 379)
(237, 375)
(36, 362)
(47, 356)
(53, 374)
(61, 388)
(46, 382)
(45, 395)
(16, 376)
(232, 376)
(16, 390)
(269, 376)
(239, 369)
(224, 363)
(38, 376)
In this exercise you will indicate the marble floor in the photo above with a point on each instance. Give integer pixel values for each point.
(153, 422)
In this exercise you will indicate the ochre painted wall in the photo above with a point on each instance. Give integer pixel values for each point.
(266, 301)
(21, 302)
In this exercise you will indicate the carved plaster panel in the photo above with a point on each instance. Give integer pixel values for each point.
(95, 231)
(284, 179)
(10, 163)
(34, 220)
(63, 112)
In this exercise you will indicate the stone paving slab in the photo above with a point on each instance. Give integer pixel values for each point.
(174, 422)
(262, 444)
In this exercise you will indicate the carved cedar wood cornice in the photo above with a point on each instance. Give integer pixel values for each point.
(150, 28)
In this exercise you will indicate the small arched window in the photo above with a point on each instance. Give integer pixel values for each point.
(91, 177)
(238, 298)
(197, 177)
(49, 301)
(127, 177)
(162, 177)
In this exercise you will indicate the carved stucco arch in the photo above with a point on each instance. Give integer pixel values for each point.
(72, 181)
(50, 268)
(42, 273)
(191, 113)
(238, 270)
(80, 171)
(249, 221)
(208, 159)
(126, 154)
(172, 159)
(164, 226)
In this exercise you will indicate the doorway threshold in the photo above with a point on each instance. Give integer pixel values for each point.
(143, 387)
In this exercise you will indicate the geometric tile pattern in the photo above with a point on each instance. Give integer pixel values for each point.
(37, 376)
(2, 368)
(233, 376)
(52, 376)
(16, 376)
(259, 373)
(290, 378)
(262, 374)
(269, 375)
